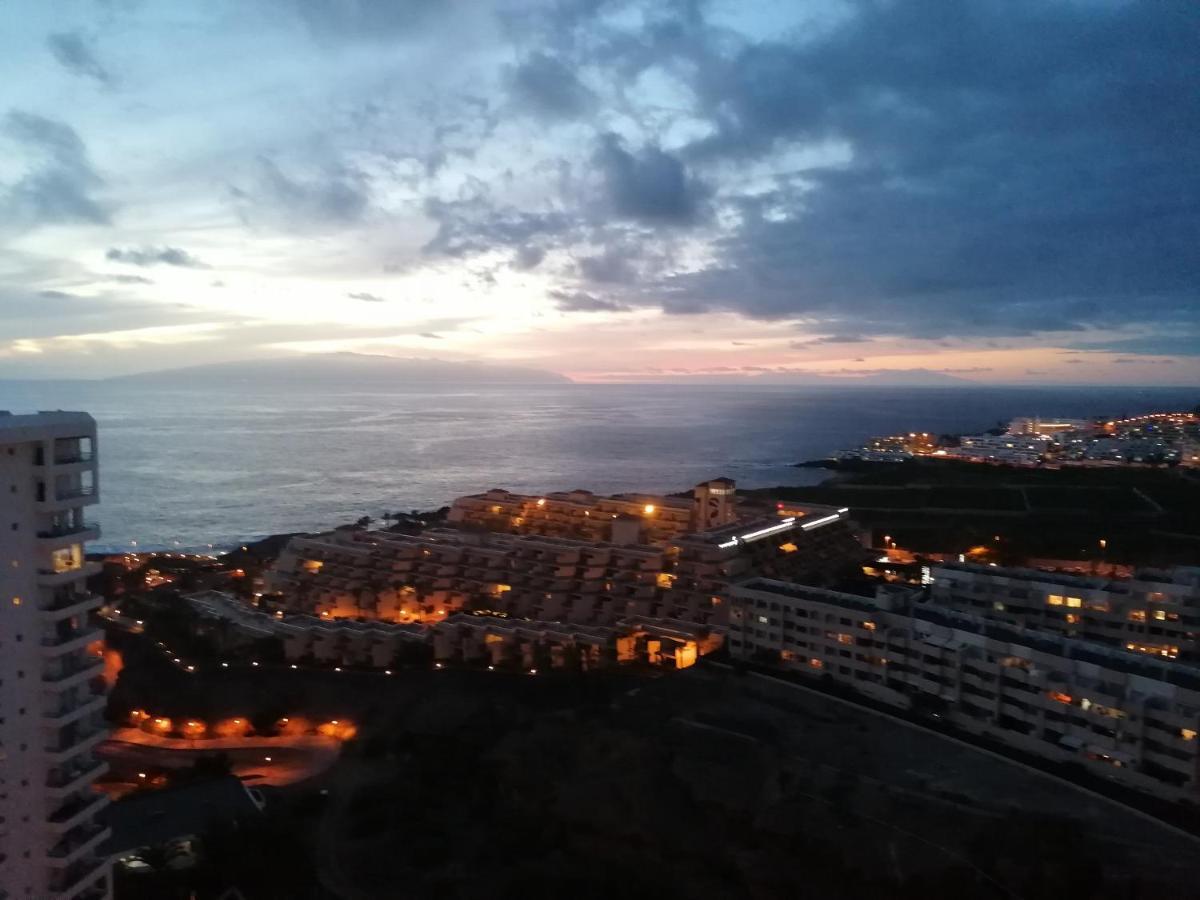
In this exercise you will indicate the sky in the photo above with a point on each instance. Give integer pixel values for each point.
(617, 190)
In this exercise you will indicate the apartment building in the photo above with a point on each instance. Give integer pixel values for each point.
(1011, 449)
(51, 685)
(581, 515)
(423, 578)
(1154, 612)
(1126, 716)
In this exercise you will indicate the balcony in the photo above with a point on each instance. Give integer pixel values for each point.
(68, 605)
(60, 535)
(74, 846)
(69, 713)
(67, 780)
(79, 877)
(73, 457)
(51, 578)
(77, 740)
(76, 812)
(69, 640)
(72, 672)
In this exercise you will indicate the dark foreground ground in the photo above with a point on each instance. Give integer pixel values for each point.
(700, 784)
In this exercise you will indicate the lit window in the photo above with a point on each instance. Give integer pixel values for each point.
(1074, 602)
(1160, 615)
(1059, 697)
(1188, 734)
(870, 626)
(763, 620)
(1137, 615)
(1055, 600)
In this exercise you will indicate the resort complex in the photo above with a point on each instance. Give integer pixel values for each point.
(645, 581)
(52, 698)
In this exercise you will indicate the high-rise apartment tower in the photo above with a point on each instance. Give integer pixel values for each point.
(51, 678)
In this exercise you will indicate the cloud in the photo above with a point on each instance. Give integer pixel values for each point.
(1004, 169)
(58, 185)
(374, 20)
(74, 53)
(528, 257)
(50, 313)
(332, 194)
(615, 265)
(650, 186)
(364, 296)
(830, 339)
(152, 256)
(430, 335)
(475, 224)
(547, 88)
(1185, 344)
(579, 301)
(126, 279)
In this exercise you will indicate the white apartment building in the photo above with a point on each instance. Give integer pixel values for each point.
(51, 685)
(1004, 448)
(1127, 717)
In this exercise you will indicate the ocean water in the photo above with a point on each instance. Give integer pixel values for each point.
(189, 468)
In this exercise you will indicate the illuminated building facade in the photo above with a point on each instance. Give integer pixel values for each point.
(1128, 717)
(1010, 449)
(51, 685)
(582, 515)
(1155, 612)
(495, 640)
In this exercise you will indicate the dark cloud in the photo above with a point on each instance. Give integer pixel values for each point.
(74, 53)
(58, 185)
(528, 257)
(1178, 344)
(153, 256)
(616, 264)
(579, 301)
(364, 296)
(430, 335)
(831, 339)
(475, 225)
(649, 186)
(126, 279)
(1004, 169)
(549, 89)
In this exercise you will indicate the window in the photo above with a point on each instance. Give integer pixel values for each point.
(1074, 602)
(1055, 600)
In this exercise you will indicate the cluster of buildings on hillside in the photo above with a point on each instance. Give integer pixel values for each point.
(574, 575)
(1152, 439)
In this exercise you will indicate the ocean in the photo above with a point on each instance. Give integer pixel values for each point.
(192, 468)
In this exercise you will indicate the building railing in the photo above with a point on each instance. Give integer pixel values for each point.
(75, 493)
(66, 882)
(57, 531)
(72, 457)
